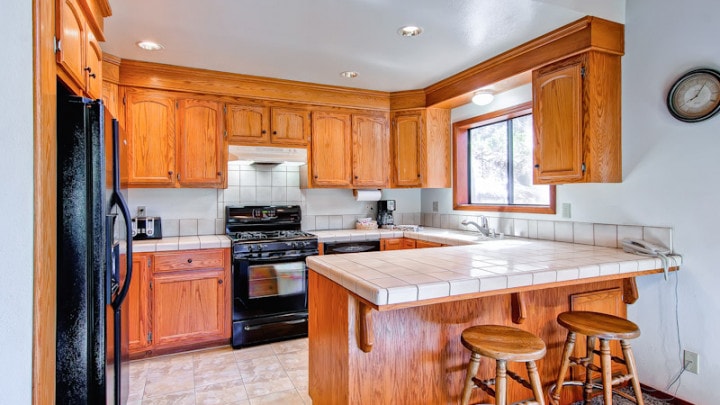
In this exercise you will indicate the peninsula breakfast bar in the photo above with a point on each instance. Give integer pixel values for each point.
(384, 327)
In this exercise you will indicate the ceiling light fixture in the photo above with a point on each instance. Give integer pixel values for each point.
(409, 31)
(149, 45)
(349, 74)
(482, 98)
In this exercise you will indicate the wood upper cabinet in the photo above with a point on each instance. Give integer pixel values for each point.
(78, 51)
(201, 146)
(138, 304)
(576, 114)
(174, 141)
(247, 124)
(150, 133)
(289, 126)
(370, 151)
(253, 124)
(331, 149)
(420, 143)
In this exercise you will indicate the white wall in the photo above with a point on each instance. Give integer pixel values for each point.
(671, 177)
(16, 204)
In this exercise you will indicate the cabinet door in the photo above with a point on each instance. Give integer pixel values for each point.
(331, 149)
(609, 301)
(407, 149)
(370, 151)
(93, 66)
(421, 244)
(247, 124)
(391, 244)
(200, 150)
(150, 133)
(138, 305)
(290, 126)
(70, 26)
(408, 243)
(558, 120)
(189, 307)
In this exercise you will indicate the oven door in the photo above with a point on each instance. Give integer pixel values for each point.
(265, 286)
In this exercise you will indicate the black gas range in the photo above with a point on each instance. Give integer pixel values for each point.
(269, 273)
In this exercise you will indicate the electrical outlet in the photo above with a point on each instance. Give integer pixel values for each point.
(141, 211)
(435, 206)
(691, 362)
(566, 210)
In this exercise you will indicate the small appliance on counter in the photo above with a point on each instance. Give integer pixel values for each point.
(385, 213)
(146, 228)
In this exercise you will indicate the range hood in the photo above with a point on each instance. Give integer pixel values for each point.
(268, 155)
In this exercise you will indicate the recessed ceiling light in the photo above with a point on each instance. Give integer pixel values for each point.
(482, 98)
(409, 31)
(149, 45)
(349, 74)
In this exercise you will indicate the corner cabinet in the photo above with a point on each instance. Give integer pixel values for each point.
(179, 300)
(173, 141)
(576, 114)
(420, 143)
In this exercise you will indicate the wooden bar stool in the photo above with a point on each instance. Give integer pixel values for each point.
(595, 325)
(502, 343)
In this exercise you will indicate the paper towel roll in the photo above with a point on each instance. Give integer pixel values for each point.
(367, 195)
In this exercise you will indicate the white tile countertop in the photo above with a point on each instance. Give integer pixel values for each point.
(181, 243)
(405, 276)
(446, 236)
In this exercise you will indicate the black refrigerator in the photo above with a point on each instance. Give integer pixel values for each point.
(94, 257)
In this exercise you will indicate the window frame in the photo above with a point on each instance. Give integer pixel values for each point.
(461, 192)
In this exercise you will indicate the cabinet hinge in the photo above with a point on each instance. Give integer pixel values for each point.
(57, 46)
(151, 283)
(583, 167)
(225, 134)
(225, 109)
(149, 337)
(582, 71)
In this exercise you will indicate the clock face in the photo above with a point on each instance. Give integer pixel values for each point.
(695, 96)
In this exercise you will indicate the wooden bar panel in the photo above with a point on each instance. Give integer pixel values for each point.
(417, 352)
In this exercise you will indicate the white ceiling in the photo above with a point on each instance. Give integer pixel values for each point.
(314, 40)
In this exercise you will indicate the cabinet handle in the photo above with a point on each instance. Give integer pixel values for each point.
(88, 69)
(537, 166)
(263, 131)
(315, 176)
(356, 177)
(219, 174)
(170, 173)
(190, 260)
(219, 281)
(92, 75)
(418, 175)
(274, 132)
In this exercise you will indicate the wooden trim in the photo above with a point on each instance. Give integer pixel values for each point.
(45, 211)
(519, 307)
(461, 194)
(403, 100)
(630, 291)
(588, 33)
(167, 77)
(365, 327)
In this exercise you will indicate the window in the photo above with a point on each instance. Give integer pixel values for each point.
(494, 164)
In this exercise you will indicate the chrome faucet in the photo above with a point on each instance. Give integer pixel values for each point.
(484, 229)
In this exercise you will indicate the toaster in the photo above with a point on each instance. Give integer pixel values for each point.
(146, 228)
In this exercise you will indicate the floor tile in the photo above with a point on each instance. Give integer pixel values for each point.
(177, 398)
(228, 392)
(287, 397)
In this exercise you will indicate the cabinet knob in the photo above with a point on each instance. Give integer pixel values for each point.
(315, 176)
(418, 175)
(219, 174)
(274, 132)
(170, 173)
(219, 281)
(356, 177)
(92, 75)
(190, 260)
(537, 166)
(263, 131)
(88, 69)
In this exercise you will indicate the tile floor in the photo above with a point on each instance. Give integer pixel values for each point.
(275, 373)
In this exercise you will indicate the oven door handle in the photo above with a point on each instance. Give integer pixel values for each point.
(275, 259)
(256, 327)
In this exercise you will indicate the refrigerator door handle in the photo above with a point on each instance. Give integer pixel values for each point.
(117, 199)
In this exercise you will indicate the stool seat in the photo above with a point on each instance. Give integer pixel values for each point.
(503, 343)
(598, 324)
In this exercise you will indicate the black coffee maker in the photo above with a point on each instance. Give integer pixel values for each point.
(385, 210)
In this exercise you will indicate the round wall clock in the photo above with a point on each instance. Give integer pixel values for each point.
(695, 96)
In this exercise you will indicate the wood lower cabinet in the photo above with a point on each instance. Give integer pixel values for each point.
(179, 300)
(406, 243)
(391, 244)
(420, 144)
(422, 244)
(173, 140)
(576, 114)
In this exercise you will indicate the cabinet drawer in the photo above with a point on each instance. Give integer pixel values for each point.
(188, 260)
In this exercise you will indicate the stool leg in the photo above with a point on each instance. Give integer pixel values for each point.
(589, 359)
(472, 369)
(632, 368)
(606, 366)
(567, 352)
(501, 382)
(535, 383)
